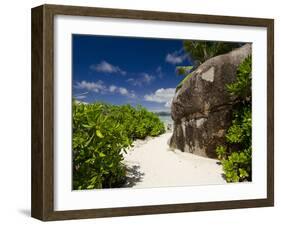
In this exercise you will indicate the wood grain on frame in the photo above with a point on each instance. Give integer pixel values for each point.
(42, 203)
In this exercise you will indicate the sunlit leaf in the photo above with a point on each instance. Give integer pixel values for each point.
(99, 134)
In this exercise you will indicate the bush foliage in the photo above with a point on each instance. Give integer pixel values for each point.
(201, 51)
(236, 156)
(101, 133)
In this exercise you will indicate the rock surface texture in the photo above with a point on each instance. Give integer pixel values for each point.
(202, 107)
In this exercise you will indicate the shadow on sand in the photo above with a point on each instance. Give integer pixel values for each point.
(134, 175)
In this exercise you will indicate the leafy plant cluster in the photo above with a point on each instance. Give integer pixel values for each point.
(137, 123)
(101, 133)
(201, 51)
(236, 156)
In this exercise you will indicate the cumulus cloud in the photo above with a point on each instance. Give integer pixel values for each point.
(112, 88)
(100, 87)
(106, 67)
(121, 90)
(143, 79)
(91, 86)
(161, 96)
(176, 57)
(168, 104)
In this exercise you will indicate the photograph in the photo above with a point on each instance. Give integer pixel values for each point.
(155, 112)
(140, 112)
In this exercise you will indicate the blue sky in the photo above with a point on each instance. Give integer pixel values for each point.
(126, 70)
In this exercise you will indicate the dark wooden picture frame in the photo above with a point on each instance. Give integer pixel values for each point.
(42, 203)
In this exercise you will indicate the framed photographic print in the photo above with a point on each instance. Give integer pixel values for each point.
(141, 112)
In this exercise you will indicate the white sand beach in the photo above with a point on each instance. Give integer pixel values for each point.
(151, 163)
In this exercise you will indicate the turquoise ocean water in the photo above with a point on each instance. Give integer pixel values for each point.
(166, 119)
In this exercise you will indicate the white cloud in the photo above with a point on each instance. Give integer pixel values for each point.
(112, 88)
(147, 78)
(144, 78)
(168, 104)
(100, 87)
(159, 72)
(91, 86)
(176, 57)
(80, 102)
(161, 96)
(81, 97)
(106, 67)
(123, 91)
(116, 89)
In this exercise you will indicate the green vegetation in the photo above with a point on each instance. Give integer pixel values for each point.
(242, 87)
(101, 133)
(236, 156)
(183, 81)
(184, 70)
(200, 51)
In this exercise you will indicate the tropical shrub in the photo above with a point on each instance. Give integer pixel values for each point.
(201, 51)
(236, 156)
(101, 133)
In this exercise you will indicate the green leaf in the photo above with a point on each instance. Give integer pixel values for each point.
(89, 141)
(101, 155)
(91, 186)
(184, 70)
(111, 165)
(99, 134)
(93, 180)
(87, 126)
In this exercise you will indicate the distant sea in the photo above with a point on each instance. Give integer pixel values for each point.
(166, 119)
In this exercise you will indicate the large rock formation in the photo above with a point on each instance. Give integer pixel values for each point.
(202, 107)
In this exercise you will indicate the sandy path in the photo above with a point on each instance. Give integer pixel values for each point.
(152, 164)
